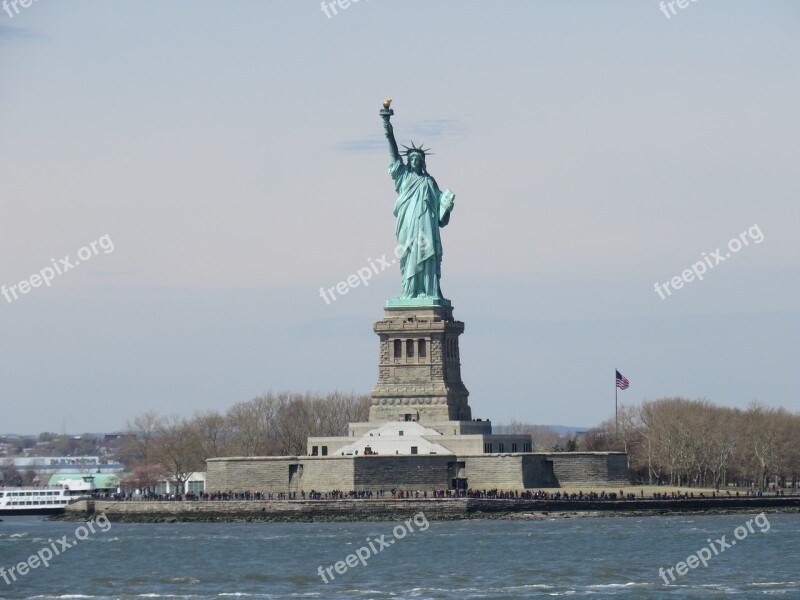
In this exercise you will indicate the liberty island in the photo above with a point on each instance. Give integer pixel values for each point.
(421, 434)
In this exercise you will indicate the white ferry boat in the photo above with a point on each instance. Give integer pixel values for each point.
(44, 500)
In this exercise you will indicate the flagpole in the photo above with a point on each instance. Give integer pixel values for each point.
(616, 405)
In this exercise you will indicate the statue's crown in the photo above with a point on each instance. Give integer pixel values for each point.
(418, 149)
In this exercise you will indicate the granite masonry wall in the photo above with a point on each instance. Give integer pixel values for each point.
(273, 473)
(417, 472)
(398, 510)
(420, 472)
(537, 472)
(590, 468)
(494, 471)
(509, 471)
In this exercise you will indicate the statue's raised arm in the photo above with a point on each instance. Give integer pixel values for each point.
(386, 114)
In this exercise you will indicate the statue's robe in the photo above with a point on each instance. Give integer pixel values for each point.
(421, 209)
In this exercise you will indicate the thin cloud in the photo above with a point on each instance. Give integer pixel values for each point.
(14, 33)
(422, 131)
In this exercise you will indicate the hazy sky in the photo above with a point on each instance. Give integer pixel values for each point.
(233, 155)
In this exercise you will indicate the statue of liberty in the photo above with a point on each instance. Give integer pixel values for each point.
(421, 209)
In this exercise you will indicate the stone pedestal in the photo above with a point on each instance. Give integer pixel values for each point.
(419, 374)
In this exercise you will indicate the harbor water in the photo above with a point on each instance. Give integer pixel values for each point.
(598, 557)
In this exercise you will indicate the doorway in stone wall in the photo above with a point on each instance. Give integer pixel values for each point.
(295, 477)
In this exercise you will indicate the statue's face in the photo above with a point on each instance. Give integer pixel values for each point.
(416, 162)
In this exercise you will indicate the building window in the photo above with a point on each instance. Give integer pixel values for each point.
(314, 450)
(513, 447)
(526, 447)
(422, 350)
(413, 450)
(398, 349)
(401, 433)
(501, 448)
(409, 348)
(324, 451)
(487, 448)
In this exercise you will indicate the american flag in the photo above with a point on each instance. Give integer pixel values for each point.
(622, 382)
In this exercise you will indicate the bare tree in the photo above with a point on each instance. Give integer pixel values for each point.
(9, 475)
(215, 432)
(138, 447)
(179, 450)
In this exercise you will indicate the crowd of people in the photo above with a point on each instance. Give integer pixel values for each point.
(405, 494)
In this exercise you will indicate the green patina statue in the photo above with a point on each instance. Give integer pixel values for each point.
(421, 209)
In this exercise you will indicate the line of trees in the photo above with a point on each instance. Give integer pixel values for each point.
(670, 441)
(271, 424)
(683, 442)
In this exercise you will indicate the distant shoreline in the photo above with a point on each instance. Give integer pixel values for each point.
(435, 509)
